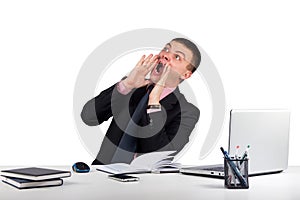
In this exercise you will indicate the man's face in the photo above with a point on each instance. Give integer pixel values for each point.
(177, 57)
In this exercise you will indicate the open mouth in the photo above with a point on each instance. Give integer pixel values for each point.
(160, 66)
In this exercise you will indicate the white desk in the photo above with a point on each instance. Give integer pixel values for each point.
(96, 185)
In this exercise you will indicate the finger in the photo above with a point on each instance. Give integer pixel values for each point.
(155, 58)
(152, 65)
(166, 69)
(141, 61)
(153, 61)
(149, 57)
(147, 60)
(165, 74)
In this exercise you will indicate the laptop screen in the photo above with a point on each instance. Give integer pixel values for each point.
(267, 133)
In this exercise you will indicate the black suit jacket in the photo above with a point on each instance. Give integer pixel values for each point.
(168, 129)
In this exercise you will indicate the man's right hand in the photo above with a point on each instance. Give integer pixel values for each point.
(136, 77)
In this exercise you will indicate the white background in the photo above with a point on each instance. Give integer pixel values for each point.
(255, 46)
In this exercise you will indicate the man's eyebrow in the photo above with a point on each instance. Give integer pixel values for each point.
(180, 52)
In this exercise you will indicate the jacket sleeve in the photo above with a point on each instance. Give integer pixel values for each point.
(107, 104)
(175, 129)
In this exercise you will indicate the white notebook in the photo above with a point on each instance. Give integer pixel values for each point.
(150, 162)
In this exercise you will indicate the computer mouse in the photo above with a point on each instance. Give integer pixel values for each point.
(80, 167)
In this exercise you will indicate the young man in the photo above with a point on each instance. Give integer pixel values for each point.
(169, 119)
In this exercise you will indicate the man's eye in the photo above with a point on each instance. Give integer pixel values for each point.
(177, 57)
(166, 49)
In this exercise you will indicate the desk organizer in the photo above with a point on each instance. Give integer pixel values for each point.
(236, 178)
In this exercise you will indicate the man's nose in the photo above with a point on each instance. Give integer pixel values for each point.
(166, 57)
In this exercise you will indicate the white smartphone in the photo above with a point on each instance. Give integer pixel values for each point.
(123, 177)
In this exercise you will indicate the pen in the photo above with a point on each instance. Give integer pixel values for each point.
(234, 168)
(245, 155)
(236, 156)
(237, 152)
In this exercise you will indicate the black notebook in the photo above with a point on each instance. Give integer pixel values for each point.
(25, 184)
(35, 173)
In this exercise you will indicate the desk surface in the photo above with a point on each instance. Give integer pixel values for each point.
(96, 185)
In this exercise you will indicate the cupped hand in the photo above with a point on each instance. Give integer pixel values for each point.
(155, 94)
(136, 77)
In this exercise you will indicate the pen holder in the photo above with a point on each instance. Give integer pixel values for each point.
(236, 173)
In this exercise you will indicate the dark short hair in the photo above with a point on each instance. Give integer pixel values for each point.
(196, 59)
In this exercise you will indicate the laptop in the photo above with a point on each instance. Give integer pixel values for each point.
(267, 133)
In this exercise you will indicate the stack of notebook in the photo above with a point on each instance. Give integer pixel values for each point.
(33, 177)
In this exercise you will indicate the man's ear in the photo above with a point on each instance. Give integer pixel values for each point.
(186, 75)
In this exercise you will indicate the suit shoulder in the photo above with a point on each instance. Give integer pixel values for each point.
(186, 106)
